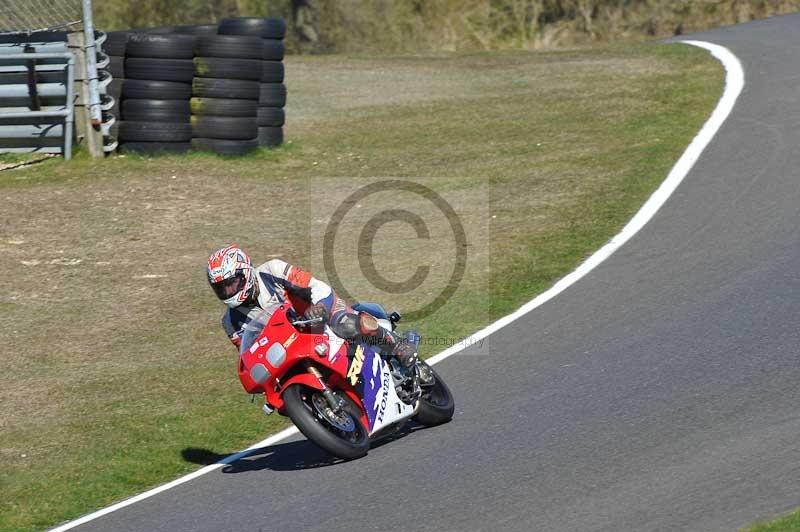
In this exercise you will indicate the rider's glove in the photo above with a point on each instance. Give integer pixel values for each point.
(316, 311)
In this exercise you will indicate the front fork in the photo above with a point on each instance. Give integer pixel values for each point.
(334, 402)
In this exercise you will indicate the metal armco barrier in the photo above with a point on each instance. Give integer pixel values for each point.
(35, 132)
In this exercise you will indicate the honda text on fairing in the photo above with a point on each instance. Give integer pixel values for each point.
(341, 394)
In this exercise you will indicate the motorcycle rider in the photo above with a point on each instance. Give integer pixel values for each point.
(246, 289)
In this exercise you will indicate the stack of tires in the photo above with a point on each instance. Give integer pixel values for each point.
(155, 93)
(114, 48)
(272, 91)
(197, 29)
(225, 94)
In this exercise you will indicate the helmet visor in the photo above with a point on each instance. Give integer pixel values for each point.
(227, 288)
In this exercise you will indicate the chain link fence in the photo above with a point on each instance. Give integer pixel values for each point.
(24, 16)
(43, 98)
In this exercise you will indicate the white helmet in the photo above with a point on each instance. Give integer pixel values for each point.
(230, 274)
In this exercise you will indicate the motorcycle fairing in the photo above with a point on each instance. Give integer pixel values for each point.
(376, 388)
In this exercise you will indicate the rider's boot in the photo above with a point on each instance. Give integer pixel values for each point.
(405, 351)
(349, 325)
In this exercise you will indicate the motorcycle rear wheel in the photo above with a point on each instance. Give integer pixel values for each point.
(436, 406)
(343, 444)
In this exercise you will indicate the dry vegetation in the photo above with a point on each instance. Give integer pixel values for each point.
(418, 25)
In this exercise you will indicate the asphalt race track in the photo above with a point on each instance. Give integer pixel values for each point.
(660, 392)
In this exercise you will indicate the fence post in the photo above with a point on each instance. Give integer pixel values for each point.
(84, 126)
(91, 63)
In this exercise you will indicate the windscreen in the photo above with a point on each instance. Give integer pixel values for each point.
(256, 321)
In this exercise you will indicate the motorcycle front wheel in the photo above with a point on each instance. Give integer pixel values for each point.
(341, 434)
(436, 406)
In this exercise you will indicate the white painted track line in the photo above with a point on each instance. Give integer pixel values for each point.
(734, 83)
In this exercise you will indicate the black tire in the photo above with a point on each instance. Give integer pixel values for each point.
(272, 95)
(114, 111)
(116, 42)
(156, 110)
(266, 28)
(154, 132)
(436, 405)
(113, 131)
(178, 70)
(156, 46)
(116, 66)
(155, 90)
(271, 116)
(273, 50)
(270, 136)
(319, 431)
(114, 89)
(272, 72)
(225, 88)
(221, 67)
(223, 127)
(159, 30)
(224, 107)
(225, 147)
(154, 148)
(233, 46)
(197, 29)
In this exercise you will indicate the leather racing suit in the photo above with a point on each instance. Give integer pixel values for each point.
(280, 282)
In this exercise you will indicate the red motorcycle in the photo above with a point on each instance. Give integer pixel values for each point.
(340, 394)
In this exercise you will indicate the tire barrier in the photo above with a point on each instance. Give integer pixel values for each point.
(155, 148)
(157, 69)
(155, 46)
(272, 91)
(116, 66)
(206, 87)
(224, 107)
(215, 67)
(154, 90)
(265, 28)
(272, 50)
(115, 43)
(162, 132)
(225, 147)
(230, 46)
(197, 29)
(156, 110)
(144, 89)
(272, 72)
(225, 88)
(224, 127)
(272, 95)
(226, 91)
(271, 116)
(270, 136)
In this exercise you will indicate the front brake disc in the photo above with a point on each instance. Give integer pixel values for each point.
(341, 420)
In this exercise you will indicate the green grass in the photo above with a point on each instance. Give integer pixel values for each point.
(111, 383)
(787, 523)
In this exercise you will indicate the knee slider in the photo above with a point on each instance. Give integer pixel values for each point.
(367, 324)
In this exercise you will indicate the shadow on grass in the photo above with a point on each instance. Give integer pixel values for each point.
(289, 456)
